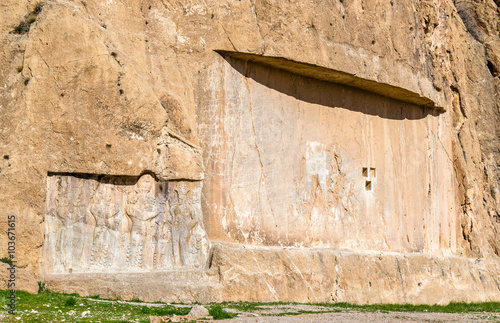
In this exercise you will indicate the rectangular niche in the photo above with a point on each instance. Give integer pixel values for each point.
(102, 223)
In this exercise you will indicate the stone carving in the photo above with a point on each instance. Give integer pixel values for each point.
(105, 214)
(184, 222)
(113, 223)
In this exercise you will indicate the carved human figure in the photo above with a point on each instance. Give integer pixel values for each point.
(112, 223)
(57, 223)
(184, 221)
(163, 256)
(142, 208)
(104, 211)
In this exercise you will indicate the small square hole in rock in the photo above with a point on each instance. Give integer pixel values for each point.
(373, 172)
(368, 185)
(365, 171)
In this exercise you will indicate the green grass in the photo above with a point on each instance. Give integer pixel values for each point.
(493, 307)
(70, 301)
(7, 261)
(56, 307)
(167, 310)
(41, 287)
(218, 313)
(245, 306)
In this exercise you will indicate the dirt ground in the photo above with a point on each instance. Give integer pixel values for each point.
(354, 316)
(290, 314)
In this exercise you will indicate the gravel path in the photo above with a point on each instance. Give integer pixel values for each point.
(354, 316)
(343, 316)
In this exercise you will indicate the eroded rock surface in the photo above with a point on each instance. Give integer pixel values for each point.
(135, 134)
(113, 223)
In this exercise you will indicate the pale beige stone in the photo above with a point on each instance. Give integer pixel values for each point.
(158, 319)
(197, 312)
(343, 151)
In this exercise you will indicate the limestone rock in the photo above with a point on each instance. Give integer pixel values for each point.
(24, 279)
(253, 150)
(197, 312)
(159, 319)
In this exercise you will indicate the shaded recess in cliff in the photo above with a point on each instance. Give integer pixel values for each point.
(332, 76)
(292, 160)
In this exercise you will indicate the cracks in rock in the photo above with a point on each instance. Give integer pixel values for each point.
(460, 101)
(338, 164)
(469, 21)
(227, 35)
(24, 26)
(297, 269)
(262, 174)
(401, 278)
(461, 145)
(230, 191)
(179, 137)
(255, 138)
(271, 288)
(254, 13)
(443, 146)
(492, 67)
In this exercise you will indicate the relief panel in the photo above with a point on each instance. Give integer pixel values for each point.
(122, 224)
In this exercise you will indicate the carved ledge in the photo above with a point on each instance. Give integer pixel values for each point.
(338, 77)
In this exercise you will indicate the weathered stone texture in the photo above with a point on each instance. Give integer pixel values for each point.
(122, 224)
(298, 127)
(300, 162)
(239, 272)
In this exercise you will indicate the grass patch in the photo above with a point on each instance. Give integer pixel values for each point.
(300, 312)
(7, 261)
(454, 307)
(450, 308)
(244, 306)
(41, 288)
(218, 313)
(48, 306)
(58, 307)
(70, 301)
(168, 310)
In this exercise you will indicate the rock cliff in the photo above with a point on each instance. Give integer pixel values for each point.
(253, 149)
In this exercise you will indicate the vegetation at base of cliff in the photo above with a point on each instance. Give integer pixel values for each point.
(58, 307)
(491, 307)
(218, 313)
(450, 308)
(7, 261)
(167, 310)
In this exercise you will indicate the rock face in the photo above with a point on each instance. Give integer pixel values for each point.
(253, 150)
(302, 165)
(114, 223)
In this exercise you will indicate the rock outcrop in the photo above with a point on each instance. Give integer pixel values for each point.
(253, 150)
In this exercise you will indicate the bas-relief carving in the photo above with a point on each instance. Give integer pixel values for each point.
(325, 200)
(114, 223)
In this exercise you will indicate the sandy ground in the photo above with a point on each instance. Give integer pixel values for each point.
(354, 316)
(345, 315)
(289, 313)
